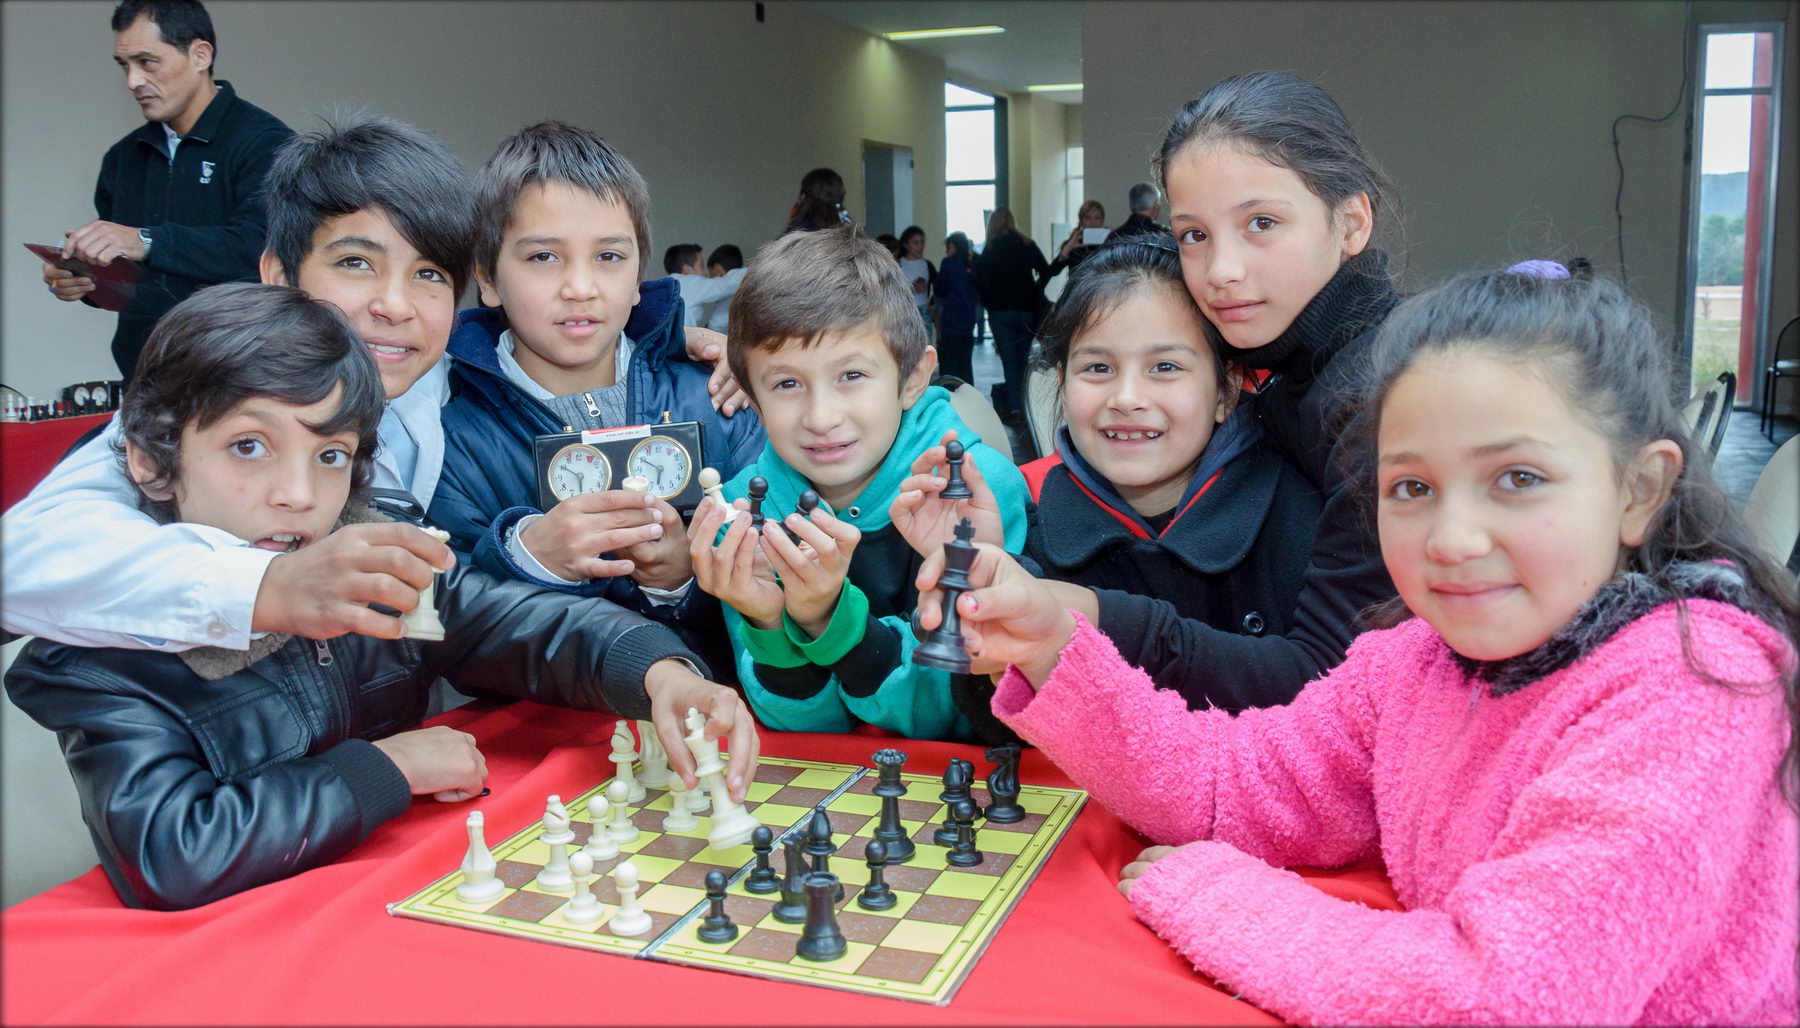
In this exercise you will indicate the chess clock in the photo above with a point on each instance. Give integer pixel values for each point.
(665, 455)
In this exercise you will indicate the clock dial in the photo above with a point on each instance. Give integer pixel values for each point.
(578, 468)
(81, 396)
(664, 462)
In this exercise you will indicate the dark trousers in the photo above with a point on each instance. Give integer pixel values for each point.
(956, 354)
(1012, 340)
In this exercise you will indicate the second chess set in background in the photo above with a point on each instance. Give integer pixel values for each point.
(943, 902)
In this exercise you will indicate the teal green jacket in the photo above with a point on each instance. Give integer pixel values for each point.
(860, 668)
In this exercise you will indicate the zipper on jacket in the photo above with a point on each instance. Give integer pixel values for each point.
(325, 657)
(593, 408)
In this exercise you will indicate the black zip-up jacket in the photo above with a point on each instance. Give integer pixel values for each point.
(196, 787)
(1009, 274)
(1303, 408)
(203, 210)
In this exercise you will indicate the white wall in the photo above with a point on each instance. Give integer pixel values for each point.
(722, 115)
(1492, 117)
(1049, 176)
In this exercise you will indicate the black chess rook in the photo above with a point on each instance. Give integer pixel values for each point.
(820, 937)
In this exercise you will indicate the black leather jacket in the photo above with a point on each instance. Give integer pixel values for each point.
(195, 789)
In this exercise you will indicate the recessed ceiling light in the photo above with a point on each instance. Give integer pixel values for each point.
(972, 30)
(1054, 87)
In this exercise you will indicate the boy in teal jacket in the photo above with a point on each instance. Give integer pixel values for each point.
(826, 342)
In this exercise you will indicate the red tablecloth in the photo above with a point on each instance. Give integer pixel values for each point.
(320, 948)
(29, 449)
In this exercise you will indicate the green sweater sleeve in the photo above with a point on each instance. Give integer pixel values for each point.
(823, 711)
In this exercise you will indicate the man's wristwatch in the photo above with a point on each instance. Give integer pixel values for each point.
(144, 237)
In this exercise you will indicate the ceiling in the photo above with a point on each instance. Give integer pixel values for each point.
(1041, 44)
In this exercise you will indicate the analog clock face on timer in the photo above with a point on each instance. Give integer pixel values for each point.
(578, 468)
(664, 463)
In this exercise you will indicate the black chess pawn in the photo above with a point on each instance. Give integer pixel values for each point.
(878, 894)
(758, 489)
(762, 878)
(956, 788)
(820, 847)
(944, 648)
(808, 502)
(716, 926)
(1003, 785)
(888, 829)
(791, 908)
(956, 488)
(821, 939)
(963, 852)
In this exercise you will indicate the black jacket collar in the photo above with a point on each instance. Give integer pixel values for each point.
(204, 131)
(1213, 537)
(1359, 295)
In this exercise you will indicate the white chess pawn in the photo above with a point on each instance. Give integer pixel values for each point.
(680, 817)
(731, 823)
(620, 829)
(623, 756)
(636, 483)
(630, 918)
(585, 907)
(556, 821)
(479, 883)
(696, 797)
(599, 845)
(709, 482)
(655, 772)
(554, 876)
(422, 621)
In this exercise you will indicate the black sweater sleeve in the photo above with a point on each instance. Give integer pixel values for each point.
(1224, 669)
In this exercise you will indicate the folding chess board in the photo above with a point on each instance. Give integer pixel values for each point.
(920, 949)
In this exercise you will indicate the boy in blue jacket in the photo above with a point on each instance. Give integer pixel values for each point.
(569, 338)
(830, 349)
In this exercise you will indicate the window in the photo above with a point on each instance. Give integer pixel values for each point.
(1731, 220)
(974, 160)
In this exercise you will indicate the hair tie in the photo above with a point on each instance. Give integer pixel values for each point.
(1539, 269)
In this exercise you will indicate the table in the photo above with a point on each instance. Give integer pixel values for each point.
(29, 449)
(320, 949)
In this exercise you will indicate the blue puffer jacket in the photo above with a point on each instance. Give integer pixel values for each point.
(489, 481)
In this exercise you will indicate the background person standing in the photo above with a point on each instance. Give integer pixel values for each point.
(179, 195)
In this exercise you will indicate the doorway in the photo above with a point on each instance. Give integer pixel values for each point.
(887, 188)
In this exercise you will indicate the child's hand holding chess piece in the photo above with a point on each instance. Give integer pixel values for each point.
(438, 761)
(813, 570)
(569, 538)
(323, 590)
(662, 562)
(930, 502)
(734, 569)
(674, 690)
(1008, 616)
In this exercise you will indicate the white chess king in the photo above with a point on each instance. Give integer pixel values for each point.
(731, 823)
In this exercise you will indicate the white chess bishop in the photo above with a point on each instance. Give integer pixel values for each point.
(623, 756)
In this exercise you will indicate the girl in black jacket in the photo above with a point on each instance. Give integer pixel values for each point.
(1274, 203)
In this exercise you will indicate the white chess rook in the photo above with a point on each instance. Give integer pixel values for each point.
(655, 772)
(478, 881)
(620, 829)
(623, 756)
(630, 918)
(731, 823)
(422, 621)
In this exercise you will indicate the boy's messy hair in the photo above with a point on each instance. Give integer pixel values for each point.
(806, 284)
(369, 162)
(1109, 275)
(235, 342)
(1601, 349)
(552, 151)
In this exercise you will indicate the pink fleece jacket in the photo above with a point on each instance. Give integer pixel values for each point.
(1607, 845)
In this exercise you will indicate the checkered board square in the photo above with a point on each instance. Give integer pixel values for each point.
(921, 949)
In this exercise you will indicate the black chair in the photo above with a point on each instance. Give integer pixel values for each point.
(1777, 369)
(1729, 381)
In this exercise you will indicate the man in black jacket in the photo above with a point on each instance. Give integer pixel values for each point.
(179, 195)
(1146, 204)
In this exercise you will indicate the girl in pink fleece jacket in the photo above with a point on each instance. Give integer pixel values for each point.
(1576, 758)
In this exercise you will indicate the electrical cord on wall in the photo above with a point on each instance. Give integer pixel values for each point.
(1687, 66)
